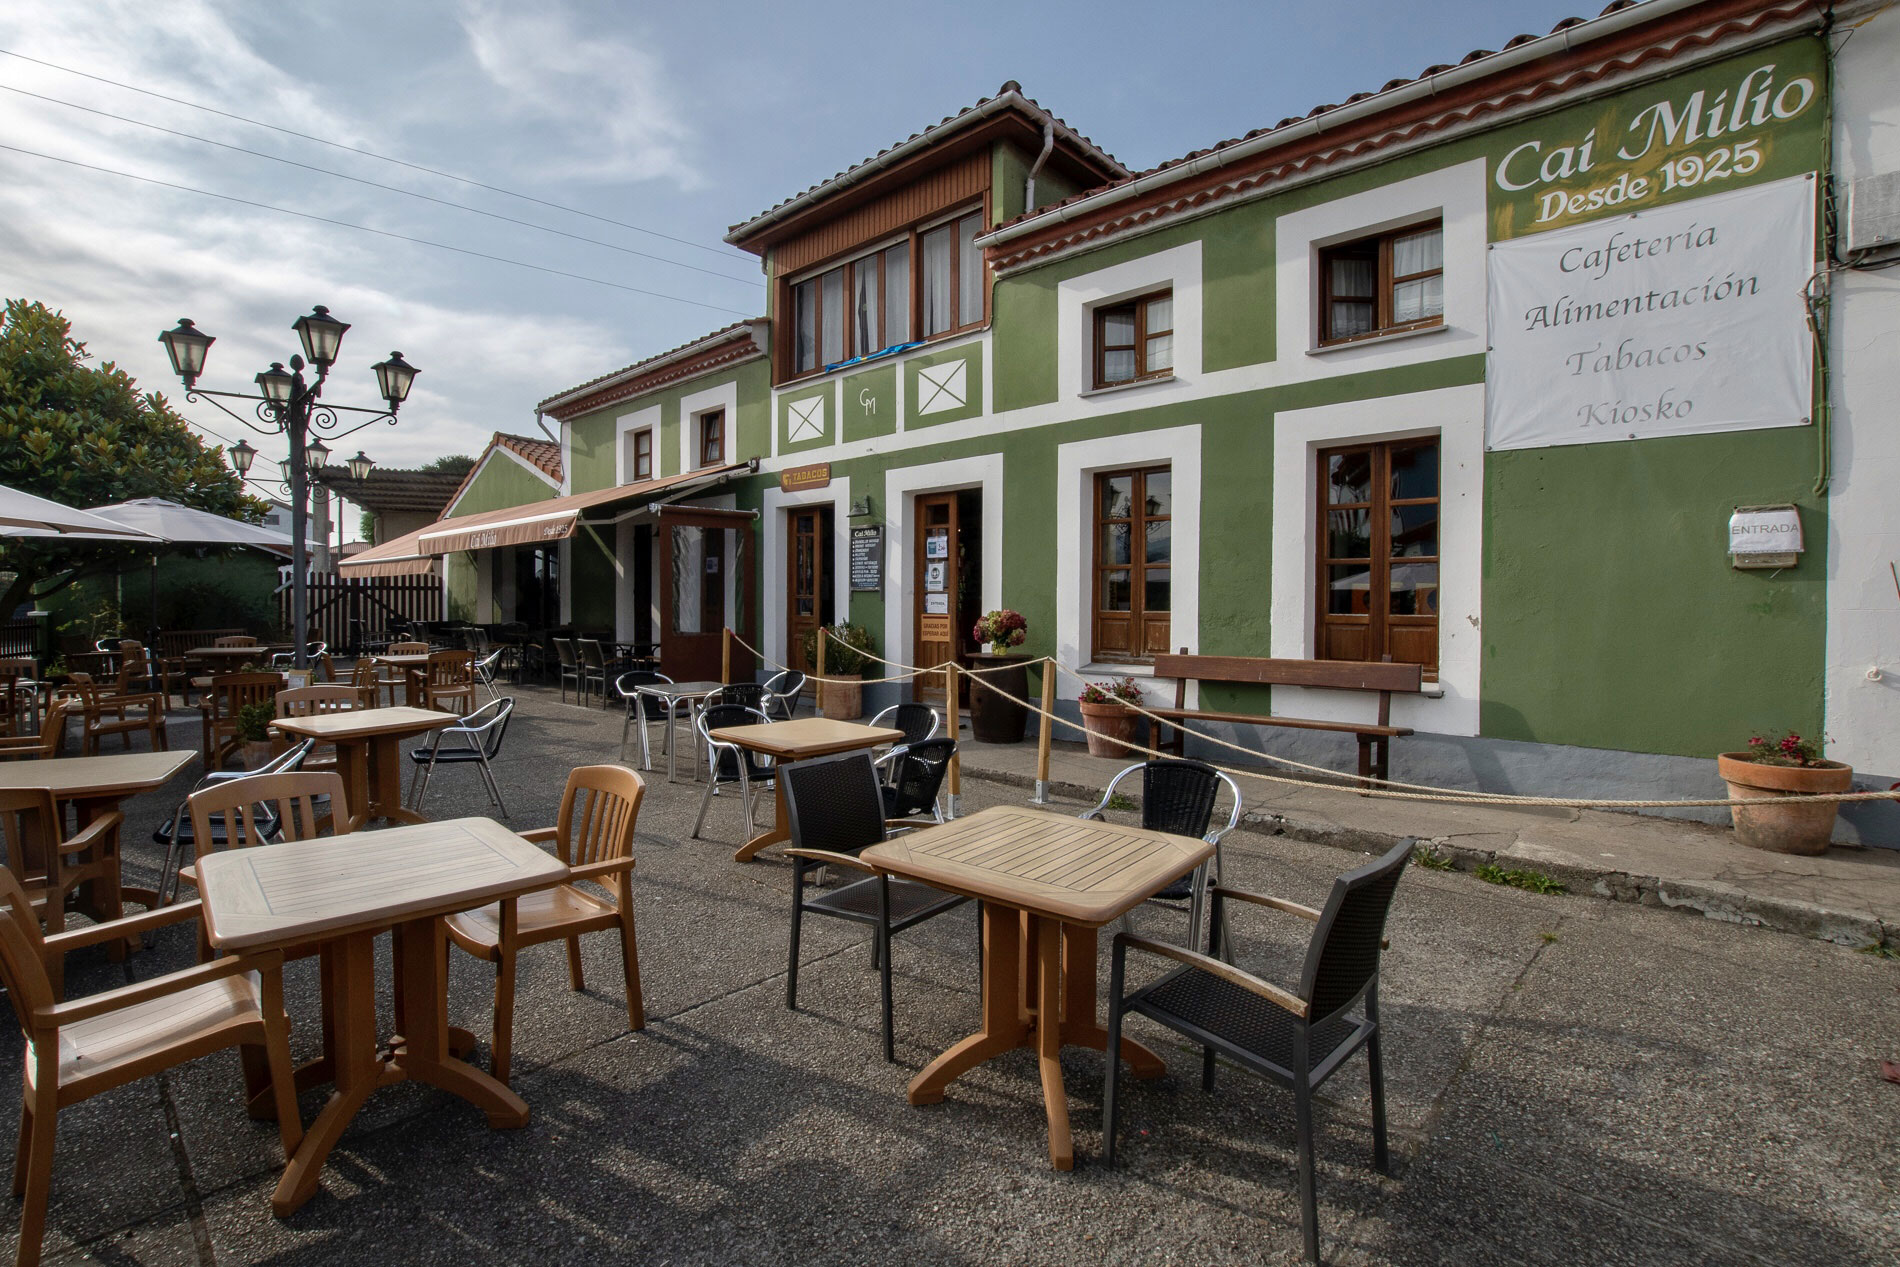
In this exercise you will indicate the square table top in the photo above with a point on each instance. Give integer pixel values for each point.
(678, 690)
(408, 659)
(283, 894)
(110, 774)
(1074, 869)
(807, 737)
(365, 723)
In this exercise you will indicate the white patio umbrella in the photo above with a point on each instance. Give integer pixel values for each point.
(169, 523)
(22, 515)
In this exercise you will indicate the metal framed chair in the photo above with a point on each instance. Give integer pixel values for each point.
(178, 836)
(650, 708)
(916, 779)
(79, 1048)
(751, 695)
(477, 741)
(1296, 1038)
(918, 722)
(835, 809)
(593, 667)
(569, 667)
(727, 762)
(487, 669)
(1178, 796)
(782, 691)
(594, 837)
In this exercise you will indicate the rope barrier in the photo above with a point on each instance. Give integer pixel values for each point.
(1392, 789)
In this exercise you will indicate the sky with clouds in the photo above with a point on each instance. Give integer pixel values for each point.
(652, 128)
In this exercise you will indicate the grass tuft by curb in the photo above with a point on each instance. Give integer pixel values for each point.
(1429, 858)
(1530, 881)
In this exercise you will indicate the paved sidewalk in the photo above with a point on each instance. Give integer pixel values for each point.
(1847, 895)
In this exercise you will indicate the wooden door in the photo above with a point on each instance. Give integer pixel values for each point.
(808, 581)
(934, 605)
(698, 548)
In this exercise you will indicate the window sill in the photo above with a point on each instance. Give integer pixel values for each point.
(1421, 332)
(806, 378)
(1138, 383)
(1118, 668)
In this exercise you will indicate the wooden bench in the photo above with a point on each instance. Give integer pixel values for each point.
(1339, 675)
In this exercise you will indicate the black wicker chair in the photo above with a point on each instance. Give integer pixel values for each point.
(917, 778)
(1295, 1038)
(728, 762)
(476, 740)
(782, 690)
(918, 722)
(1178, 796)
(834, 809)
(752, 695)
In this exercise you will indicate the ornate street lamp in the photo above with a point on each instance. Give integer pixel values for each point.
(287, 405)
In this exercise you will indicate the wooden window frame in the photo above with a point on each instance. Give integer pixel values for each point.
(1382, 323)
(1099, 318)
(1136, 567)
(1379, 620)
(711, 424)
(644, 436)
(912, 237)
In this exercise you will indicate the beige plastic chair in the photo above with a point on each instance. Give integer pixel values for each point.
(234, 640)
(47, 743)
(594, 837)
(449, 682)
(313, 701)
(76, 1049)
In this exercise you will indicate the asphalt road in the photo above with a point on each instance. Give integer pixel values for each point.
(1570, 1081)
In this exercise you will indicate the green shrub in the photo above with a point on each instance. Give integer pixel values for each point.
(843, 647)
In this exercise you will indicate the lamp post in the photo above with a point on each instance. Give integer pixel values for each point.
(289, 406)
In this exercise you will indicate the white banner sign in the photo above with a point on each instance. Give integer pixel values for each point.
(1676, 321)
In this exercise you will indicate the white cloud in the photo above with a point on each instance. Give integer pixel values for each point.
(610, 95)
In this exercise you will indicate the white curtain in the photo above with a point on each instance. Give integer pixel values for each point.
(936, 281)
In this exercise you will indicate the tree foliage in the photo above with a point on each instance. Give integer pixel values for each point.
(81, 433)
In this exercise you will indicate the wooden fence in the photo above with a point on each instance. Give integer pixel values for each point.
(19, 638)
(345, 609)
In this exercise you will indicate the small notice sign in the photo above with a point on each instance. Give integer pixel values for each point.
(817, 475)
(936, 604)
(934, 628)
(1764, 536)
(867, 559)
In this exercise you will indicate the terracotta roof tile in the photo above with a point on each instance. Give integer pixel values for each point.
(948, 121)
(393, 489)
(657, 356)
(540, 452)
(1390, 85)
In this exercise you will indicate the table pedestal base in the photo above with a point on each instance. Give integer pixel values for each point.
(1046, 1004)
(372, 778)
(778, 835)
(426, 1052)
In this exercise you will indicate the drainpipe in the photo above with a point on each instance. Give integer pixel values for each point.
(544, 427)
(1048, 145)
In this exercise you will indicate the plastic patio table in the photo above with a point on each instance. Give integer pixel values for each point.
(369, 754)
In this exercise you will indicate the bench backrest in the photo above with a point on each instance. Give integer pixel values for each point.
(1345, 675)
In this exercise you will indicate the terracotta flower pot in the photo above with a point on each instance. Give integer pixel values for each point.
(256, 753)
(844, 701)
(1110, 728)
(1789, 828)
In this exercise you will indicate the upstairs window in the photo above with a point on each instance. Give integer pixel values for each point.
(1135, 340)
(868, 304)
(641, 445)
(1383, 284)
(712, 438)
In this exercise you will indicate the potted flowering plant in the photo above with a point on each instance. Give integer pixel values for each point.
(994, 717)
(1105, 711)
(1789, 766)
(845, 646)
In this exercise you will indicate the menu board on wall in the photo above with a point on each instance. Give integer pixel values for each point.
(1677, 321)
(867, 559)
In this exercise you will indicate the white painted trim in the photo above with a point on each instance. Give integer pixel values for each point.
(776, 586)
(567, 457)
(1457, 194)
(1077, 299)
(726, 397)
(625, 425)
(901, 486)
(1179, 448)
(1456, 415)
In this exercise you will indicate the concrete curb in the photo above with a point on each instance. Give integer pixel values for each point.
(1712, 899)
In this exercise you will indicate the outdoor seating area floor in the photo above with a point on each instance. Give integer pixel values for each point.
(1569, 1081)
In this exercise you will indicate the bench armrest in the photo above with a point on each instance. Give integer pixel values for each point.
(1225, 971)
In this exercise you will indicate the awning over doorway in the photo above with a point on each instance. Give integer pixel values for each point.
(534, 523)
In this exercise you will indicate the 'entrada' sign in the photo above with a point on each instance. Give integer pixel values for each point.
(1684, 319)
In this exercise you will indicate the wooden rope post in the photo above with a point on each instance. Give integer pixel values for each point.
(1042, 739)
(725, 657)
(950, 716)
(819, 695)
